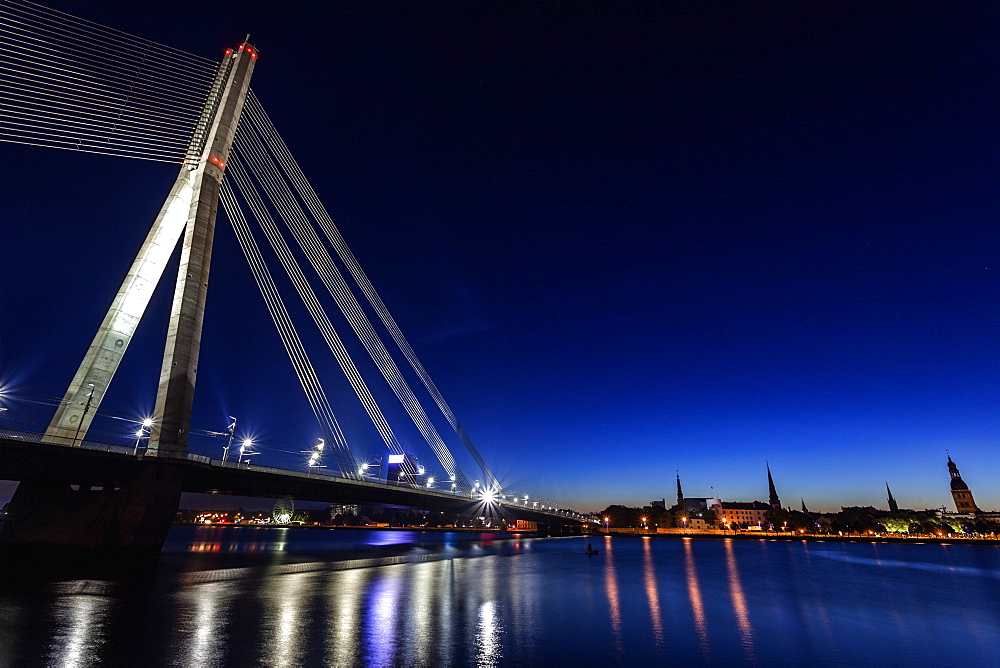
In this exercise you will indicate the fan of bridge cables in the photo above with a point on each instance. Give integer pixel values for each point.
(264, 182)
(69, 83)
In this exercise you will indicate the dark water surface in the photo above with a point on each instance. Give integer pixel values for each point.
(291, 597)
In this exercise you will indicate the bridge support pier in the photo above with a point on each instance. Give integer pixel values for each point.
(92, 514)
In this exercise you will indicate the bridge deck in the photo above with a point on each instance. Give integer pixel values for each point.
(24, 455)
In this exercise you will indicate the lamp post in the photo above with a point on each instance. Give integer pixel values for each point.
(143, 431)
(363, 469)
(607, 525)
(316, 455)
(246, 449)
(232, 432)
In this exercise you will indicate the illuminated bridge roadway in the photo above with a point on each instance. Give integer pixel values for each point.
(94, 471)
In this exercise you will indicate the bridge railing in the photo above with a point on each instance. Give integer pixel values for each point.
(35, 437)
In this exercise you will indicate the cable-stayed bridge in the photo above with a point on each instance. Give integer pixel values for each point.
(71, 84)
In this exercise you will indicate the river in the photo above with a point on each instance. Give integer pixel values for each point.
(291, 597)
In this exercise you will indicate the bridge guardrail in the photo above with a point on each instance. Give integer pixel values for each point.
(35, 437)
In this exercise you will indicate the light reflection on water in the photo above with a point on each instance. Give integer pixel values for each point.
(79, 617)
(652, 592)
(611, 590)
(448, 601)
(202, 629)
(739, 602)
(694, 595)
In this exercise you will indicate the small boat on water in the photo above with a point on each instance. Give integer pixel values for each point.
(590, 550)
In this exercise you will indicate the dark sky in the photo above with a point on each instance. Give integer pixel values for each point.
(625, 239)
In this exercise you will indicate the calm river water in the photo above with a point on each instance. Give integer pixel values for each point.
(293, 597)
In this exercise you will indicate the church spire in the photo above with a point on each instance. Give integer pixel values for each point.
(893, 507)
(680, 494)
(772, 493)
(960, 491)
(804, 509)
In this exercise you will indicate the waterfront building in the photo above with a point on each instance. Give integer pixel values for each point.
(741, 513)
(960, 492)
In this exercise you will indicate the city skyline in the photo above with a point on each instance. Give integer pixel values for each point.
(623, 240)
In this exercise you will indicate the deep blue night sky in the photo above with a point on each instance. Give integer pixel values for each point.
(625, 239)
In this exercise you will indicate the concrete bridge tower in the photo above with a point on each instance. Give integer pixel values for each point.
(134, 507)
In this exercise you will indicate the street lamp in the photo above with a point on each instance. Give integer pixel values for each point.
(363, 469)
(607, 525)
(144, 428)
(247, 450)
(316, 455)
(232, 432)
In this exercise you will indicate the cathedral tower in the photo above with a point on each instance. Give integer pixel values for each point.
(960, 491)
(772, 493)
(893, 506)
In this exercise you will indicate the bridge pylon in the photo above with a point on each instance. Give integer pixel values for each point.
(132, 507)
(190, 208)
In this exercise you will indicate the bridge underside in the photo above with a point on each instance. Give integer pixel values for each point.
(91, 499)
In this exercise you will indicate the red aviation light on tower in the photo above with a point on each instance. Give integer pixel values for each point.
(249, 49)
(215, 161)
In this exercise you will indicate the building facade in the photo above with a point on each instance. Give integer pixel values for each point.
(730, 514)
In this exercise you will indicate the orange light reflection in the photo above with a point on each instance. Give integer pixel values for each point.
(694, 594)
(652, 593)
(739, 603)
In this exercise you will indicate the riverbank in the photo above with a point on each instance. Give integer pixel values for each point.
(820, 538)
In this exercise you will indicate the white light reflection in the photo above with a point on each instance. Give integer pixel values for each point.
(79, 622)
(420, 628)
(489, 621)
(346, 592)
(285, 622)
(206, 633)
(489, 650)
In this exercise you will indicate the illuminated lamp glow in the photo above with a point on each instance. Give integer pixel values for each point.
(396, 459)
